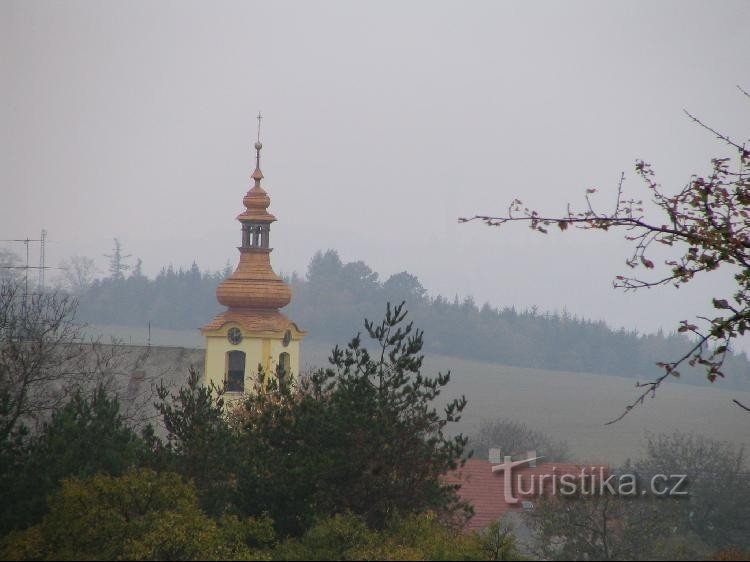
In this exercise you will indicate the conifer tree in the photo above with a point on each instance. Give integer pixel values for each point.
(362, 435)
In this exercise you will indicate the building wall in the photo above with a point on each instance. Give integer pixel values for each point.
(261, 350)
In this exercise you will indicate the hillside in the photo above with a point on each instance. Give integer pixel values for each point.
(575, 406)
(567, 406)
(334, 298)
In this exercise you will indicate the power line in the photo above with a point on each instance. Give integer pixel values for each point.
(42, 267)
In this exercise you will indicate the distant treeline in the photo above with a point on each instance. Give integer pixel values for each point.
(180, 299)
(333, 298)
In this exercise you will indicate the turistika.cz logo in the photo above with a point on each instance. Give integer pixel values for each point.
(587, 481)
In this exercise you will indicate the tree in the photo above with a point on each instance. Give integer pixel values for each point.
(117, 265)
(713, 516)
(717, 509)
(708, 221)
(78, 274)
(337, 296)
(513, 437)
(360, 436)
(499, 542)
(200, 443)
(597, 527)
(87, 435)
(140, 515)
(404, 286)
(44, 356)
(10, 265)
(138, 269)
(416, 537)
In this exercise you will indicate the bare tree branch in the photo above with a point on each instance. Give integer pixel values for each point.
(707, 221)
(45, 356)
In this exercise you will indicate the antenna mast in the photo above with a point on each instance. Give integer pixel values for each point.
(42, 259)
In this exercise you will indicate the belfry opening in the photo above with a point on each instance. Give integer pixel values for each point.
(252, 334)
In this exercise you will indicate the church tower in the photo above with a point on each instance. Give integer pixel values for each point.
(252, 333)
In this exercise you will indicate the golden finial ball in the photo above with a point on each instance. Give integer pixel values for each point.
(258, 145)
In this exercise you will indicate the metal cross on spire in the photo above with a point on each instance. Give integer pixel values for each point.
(257, 174)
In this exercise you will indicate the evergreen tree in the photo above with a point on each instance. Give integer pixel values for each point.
(200, 443)
(360, 436)
(85, 436)
(117, 265)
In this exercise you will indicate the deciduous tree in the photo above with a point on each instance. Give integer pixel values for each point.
(44, 356)
(717, 507)
(706, 223)
(596, 526)
(513, 437)
(140, 515)
(78, 273)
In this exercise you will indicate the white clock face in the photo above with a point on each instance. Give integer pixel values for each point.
(234, 335)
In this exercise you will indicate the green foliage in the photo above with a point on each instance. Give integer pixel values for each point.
(87, 435)
(141, 515)
(426, 536)
(255, 533)
(177, 299)
(359, 436)
(14, 510)
(498, 542)
(417, 537)
(200, 443)
(335, 296)
(340, 537)
(46, 367)
(330, 300)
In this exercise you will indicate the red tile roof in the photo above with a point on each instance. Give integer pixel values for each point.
(484, 489)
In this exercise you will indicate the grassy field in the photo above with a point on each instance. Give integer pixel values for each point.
(575, 407)
(568, 406)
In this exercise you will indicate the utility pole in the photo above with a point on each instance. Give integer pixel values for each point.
(42, 259)
(42, 267)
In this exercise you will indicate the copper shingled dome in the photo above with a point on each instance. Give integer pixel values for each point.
(254, 286)
(256, 202)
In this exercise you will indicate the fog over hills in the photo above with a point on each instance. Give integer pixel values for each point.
(334, 298)
(383, 124)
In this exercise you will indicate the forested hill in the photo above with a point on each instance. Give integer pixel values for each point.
(334, 298)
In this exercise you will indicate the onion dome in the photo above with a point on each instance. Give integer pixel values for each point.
(254, 285)
(256, 200)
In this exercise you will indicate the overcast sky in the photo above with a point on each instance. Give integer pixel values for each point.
(384, 122)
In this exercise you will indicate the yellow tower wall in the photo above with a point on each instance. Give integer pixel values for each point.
(259, 349)
(253, 295)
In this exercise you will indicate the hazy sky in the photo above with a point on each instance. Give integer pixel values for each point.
(384, 122)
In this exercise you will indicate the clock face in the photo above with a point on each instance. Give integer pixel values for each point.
(287, 338)
(234, 336)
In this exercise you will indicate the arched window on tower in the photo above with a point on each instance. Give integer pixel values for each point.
(235, 376)
(283, 368)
